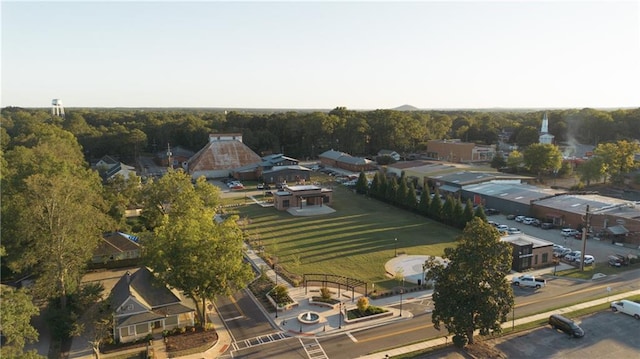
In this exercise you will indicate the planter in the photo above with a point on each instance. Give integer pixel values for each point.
(368, 317)
(282, 307)
(324, 304)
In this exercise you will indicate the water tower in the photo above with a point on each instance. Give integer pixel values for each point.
(56, 108)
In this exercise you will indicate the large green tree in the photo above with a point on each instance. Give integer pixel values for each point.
(53, 212)
(17, 309)
(542, 158)
(188, 249)
(471, 292)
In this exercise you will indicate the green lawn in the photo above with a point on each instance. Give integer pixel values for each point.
(355, 241)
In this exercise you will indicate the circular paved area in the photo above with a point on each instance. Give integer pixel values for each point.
(409, 266)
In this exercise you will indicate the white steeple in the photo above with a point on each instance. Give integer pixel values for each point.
(545, 125)
(545, 136)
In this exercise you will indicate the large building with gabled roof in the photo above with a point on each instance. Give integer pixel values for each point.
(223, 153)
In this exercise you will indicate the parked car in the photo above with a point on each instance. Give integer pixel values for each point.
(511, 217)
(573, 256)
(514, 231)
(557, 321)
(528, 220)
(546, 225)
(536, 222)
(627, 307)
(503, 227)
(491, 211)
(520, 218)
(561, 252)
(617, 260)
(528, 281)
(568, 232)
(588, 259)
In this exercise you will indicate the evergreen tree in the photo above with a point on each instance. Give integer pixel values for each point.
(467, 214)
(479, 212)
(410, 201)
(435, 208)
(425, 202)
(362, 185)
(458, 214)
(447, 211)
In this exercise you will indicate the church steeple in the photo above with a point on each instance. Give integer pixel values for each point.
(545, 136)
(545, 125)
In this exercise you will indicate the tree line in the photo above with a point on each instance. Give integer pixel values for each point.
(125, 133)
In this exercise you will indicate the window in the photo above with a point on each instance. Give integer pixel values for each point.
(125, 332)
(142, 328)
(173, 320)
(545, 257)
(535, 259)
(285, 203)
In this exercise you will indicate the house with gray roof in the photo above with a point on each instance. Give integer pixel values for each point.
(143, 306)
(114, 247)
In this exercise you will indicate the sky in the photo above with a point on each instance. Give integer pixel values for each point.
(321, 55)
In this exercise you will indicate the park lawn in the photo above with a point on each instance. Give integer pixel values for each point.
(355, 241)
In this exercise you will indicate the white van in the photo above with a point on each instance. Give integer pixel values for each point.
(627, 307)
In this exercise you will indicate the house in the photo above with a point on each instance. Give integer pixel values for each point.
(116, 246)
(108, 168)
(143, 306)
(223, 153)
(345, 161)
(457, 151)
(389, 153)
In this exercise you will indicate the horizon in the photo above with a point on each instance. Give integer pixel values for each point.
(307, 55)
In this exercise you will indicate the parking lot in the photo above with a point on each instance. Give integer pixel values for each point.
(600, 249)
(607, 335)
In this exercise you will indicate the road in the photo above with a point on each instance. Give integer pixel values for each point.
(351, 344)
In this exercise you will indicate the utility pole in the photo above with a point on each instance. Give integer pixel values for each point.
(585, 228)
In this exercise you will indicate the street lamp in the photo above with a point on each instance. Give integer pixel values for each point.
(395, 247)
(276, 288)
(340, 317)
(401, 291)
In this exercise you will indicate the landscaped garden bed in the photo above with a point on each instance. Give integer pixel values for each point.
(192, 340)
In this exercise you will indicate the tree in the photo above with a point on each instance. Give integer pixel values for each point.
(515, 161)
(16, 311)
(423, 206)
(617, 158)
(542, 157)
(458, 214)
(188, 249)
(527, 136)
(592, 170)
(435, 207)
(468, 211)
(471, 292)
(362, 186)
(447, 211)
(498, 161)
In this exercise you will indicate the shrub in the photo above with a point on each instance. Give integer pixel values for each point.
(363, 304)
(280, 293)
(459, 341)
(325, 293)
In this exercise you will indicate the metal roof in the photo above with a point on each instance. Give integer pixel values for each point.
(521, 193)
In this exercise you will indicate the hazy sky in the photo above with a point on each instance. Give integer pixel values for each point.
(362, 55)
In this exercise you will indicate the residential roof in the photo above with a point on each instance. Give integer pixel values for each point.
(145, 288)
(516, 192)
(331, 154)
(178, 151)
(387, 152)
(113, 243)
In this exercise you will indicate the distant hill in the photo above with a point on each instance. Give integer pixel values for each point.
(406, 108)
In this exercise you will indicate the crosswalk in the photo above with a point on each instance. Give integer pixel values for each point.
(310, 345)
(313, 348)
(263, 339)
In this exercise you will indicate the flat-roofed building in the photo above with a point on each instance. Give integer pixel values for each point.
(529, 251)
(302, 195)
(506, 196)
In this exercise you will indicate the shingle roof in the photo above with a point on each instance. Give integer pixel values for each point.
(113, 243)
(223, 155)
(145, 288)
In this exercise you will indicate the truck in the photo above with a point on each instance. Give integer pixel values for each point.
(528, 281)
(627, 307)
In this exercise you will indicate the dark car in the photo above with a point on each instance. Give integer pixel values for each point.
(557, 321)
(546, 225)
(491, 211)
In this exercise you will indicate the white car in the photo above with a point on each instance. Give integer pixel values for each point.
(573, 256)
(503, 227)
(514, 231)
(528, 220)
(520, 218)
(588, 259)
(568, 232)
